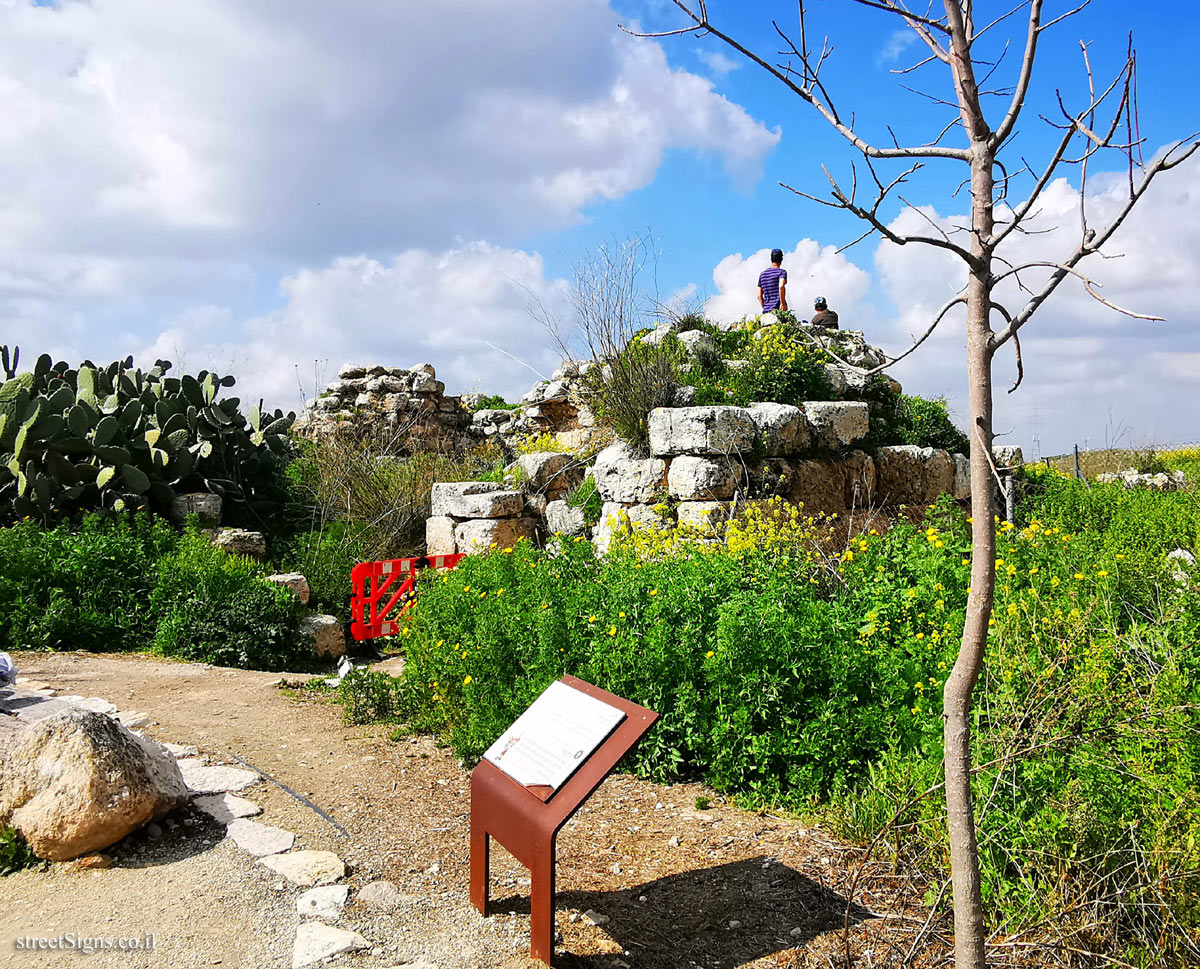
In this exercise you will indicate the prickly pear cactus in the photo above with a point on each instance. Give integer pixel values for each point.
(118, 437)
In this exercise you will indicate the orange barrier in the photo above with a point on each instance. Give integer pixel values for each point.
(375, 599)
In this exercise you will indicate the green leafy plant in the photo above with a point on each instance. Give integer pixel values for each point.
(369, 697)
(494, 402)
(15, 853)
(587, 497)
(908, 419)
(117, 438)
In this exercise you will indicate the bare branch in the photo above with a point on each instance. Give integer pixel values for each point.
(1000, 135)
(1095, 240)
(809, 90)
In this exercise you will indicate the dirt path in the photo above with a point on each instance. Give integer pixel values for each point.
(717, 888)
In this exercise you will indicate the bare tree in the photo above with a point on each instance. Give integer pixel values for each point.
(1107, 121)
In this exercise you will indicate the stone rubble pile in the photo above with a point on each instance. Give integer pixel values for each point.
(1132, 478)
(410, 404)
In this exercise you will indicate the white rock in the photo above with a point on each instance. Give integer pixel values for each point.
(306, 868)
(550, 471)
(316, 941)
(717, 430)
(473, 537)
(474, 499)
(692, 478)
(214, 780)
(226, 807)
(326, 902)
(239, 541)
(381, 895)
(657, 335)
(133, 719)
(704, 515)
(783, 429)
(696, 341)
(623, 477)
(561, 518)
(326, 635)
(1008, 456)
(180, 750)
(962, 476)
(595, 918)
(259, 839)
(439, 536)
(837, 423)
(92, 704)
(77, 782)
(294, 581)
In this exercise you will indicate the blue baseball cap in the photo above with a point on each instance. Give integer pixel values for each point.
(776, 255)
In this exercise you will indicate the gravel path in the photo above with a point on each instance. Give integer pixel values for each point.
(676, 886)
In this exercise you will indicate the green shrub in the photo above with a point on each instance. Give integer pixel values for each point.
(494, 402)
(115, 437)
(81, 587)
(15, 853)
(216, 608)
(325, 557)
(369, 697)
(779, 366)
(632, 383)
(587, 497)
(907, 419)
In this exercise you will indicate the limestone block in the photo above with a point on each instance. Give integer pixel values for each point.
(836, 376)
(326, 635)
(294, 581)
(697, 341)
(858, 479)
(910, 475)
(616, 517)
(352, 371)
(78, 782)
(833, 485)
(482, 534)
(701, 430)
(475, 499)
(962, 477)
(623, 477)
(386, 385)
(439, 536)
(239, 541)
(562, 519)
(657, 335)
(783, 428)
(423, 383)
(703, 515)
(837, 423)
(425, 368)
(547, 471)
(692, 478)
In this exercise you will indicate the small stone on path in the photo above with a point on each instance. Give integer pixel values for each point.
(674, 842)
(325, 902)
(796, 932)
(213, 780)
(133, 720)
(316, 941)
(92, 862)
(259, 839)
(94, 704)
(181, 750)
(226, 807)
(306, 868)
(381, 894)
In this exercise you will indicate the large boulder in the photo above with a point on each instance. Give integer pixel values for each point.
(78, 782)
(962, 477)
(482, 534)
(837, 423)
(911, 475)
(562, 519)
(239, 541)
(692, 478)
(623, 477)
(475, 499)
(782, 428)
(296, 583)
(832, 485)
(716, 430)
(325, 634)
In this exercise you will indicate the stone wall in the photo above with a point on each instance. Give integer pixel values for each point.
(377, 400)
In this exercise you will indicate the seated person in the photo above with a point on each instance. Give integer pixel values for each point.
(823, 316)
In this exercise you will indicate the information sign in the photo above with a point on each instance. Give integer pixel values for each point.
(549, 741)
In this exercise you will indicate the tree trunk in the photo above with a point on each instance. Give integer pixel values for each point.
(969, 935)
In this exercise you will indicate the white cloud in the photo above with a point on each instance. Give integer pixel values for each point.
(219, 126)
(718, 62)
(464, 309)
(899, 42)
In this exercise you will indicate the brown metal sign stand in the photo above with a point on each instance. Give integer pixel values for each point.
(526, 820)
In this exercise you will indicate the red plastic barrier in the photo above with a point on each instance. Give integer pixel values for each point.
(380, 586)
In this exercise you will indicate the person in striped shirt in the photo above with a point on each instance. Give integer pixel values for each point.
(772, 284)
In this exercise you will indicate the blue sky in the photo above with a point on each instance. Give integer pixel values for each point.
(276, 187)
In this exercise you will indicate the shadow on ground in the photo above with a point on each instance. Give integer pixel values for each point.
(685, 919)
